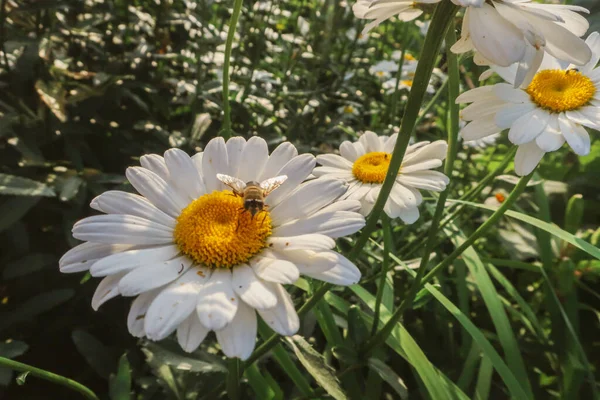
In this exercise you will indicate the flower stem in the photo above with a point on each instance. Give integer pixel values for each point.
(233, 379)
(442, 18)
(226, 132)
(382, 335)
(49, 376)
(387, 248)
(453, 128)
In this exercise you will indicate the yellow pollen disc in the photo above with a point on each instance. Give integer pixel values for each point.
(372, 167)
(214, 230)
(558, 91)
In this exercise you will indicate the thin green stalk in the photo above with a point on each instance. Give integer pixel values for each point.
(382, 335)
(432, 102)
(453, 88)
(410, 247)
(237, 8)
(387, 248)
(516, 192)
(233, 378)
(396, 94)
(442, 18)
(49, 376)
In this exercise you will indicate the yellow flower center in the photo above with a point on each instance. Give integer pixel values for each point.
(408, 83)
(348, 109)
(215, 230)
(372, 167)
(559, 91)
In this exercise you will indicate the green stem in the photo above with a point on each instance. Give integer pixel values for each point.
(49, 376)
(233, 379)
(387, 248)
(442, 18)
(396, 94)
(237, 8)
(397, 315)
(432, 102)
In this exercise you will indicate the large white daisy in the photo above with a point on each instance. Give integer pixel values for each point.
(553, 108)
(381, 10)
(364, 165)
(196, 262)
(504, 32)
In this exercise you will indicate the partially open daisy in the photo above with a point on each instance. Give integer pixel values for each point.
(504, 32)
(364, 165)
(197, 260)
(552, 109)
(381, 10)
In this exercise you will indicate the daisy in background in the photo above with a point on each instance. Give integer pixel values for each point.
(555, 107)
(381, 10)
(195, 262)
(364, 164)
(504, 32)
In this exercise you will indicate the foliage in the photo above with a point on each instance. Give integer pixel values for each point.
(90, 86)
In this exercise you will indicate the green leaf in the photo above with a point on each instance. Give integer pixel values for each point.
(120, 384)
(164, 354)
(35, 306)
(261, 387)
(496, 310)
(97, 355)
(484, 380)
(28, 264)
(554, 230)
(13, 209)
(388, 375)
(21, 378)
(10, 349)
(315, 365)
(18, 186)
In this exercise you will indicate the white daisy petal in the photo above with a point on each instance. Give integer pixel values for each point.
(529, 126)
(427, 180)
(141, 280)
(191, 333)
(283, 318)
(348, 151)
(527, 158)
(173, 305)
(371, 142)
(156, 189)
(333, 224)
(107, 289)
(217, 301)
(137, 312)
(123, 229)
(275, 270)
(117, 202)
(239, 337)
(480, 128)
(235, 147)
(251, 289)
(83, 256)
(215, 161)
(312, 241)
(506, 117)
(576, 135)
(344, 272)
(333, 160)
(307, 199)
(132, 259)
(477, 94)
(278, 158)
(253, 159)
(296, 170)
(409, 215)
(156, 164)
(184, 174)
(593, 41)
(508, 93)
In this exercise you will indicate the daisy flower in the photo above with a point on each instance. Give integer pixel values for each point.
(552, 109)
(504, 32)
(381, 10)
(364, 164)
(196, 262)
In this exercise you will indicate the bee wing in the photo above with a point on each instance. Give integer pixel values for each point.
(236, 184)
(271, 184)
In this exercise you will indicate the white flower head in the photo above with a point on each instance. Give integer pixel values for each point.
(364, 165)
(504, 32)
(197, 261)
(553, 108)
(381, 10)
